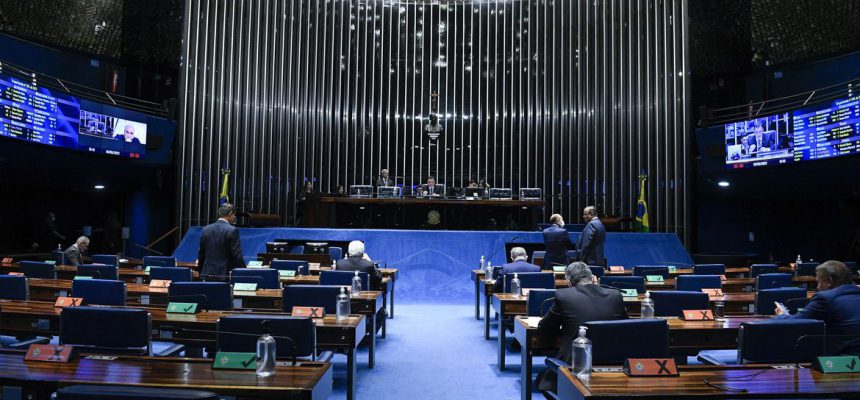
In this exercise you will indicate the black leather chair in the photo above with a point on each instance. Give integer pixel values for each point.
(100, 291)
(239, 333)
(531, 280)
(344, 278)
(265, 278)
(311, 296)
(14, 288)
(773, 281)
(624, 282)
(774, 341)
(709, 269)
(670, 303)
(597, 271)
(805, 269)
(39, 270)
(106, 259)
(86, 392)
(611, 343)
(758, 269)
(695, 283)
(302, 267)
(645, 270)
(107, 272)
(172, 274)
(207, 295)
(107, 330)
(159, 261)
(765, 298)
(539, 301)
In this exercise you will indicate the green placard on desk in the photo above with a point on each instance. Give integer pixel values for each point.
(146, 271)
(654, 278)
(559, 269)
(229, 360)
(181, 308)
(835, 365)
(629, 293)
(673, 268)
(81, 277)
(245, 287)
(255, 263)
(52, 262)
(286, 273)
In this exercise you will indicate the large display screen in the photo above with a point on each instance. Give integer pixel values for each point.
(823, 131)
(37, 114)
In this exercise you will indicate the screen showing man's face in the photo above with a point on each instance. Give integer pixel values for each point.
(128, 133)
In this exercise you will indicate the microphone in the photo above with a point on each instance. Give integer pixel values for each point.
(543, 303)
(497, 249)
(288, 339)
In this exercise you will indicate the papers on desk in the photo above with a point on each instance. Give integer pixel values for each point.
(532, 322)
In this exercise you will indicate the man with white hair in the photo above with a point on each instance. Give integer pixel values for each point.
(519, 263)
(357, 260)
(73, 253)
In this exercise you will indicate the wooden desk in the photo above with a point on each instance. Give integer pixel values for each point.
(487, 288)
(310, 380)
(735, 285)
(129, 275)
(767, 383)
(388, 278)
(138, 263)
(324, 260)
(42, 318)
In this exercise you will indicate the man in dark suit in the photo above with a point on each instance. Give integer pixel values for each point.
(73, 253)
(357, 260)
(582, 302)
(431, 188)
(837, 303)
(590, 243)
(519, 263)
(220, 248)
(384, 179)
(556, 241)
(759, 140)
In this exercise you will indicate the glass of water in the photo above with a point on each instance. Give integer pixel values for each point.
(719, 310)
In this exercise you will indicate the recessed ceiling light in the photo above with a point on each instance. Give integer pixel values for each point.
(99, 187)
(723, 184)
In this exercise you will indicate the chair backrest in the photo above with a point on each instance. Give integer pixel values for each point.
(207, 295)
(311, 296)
(806, 269)
(539, 255)
(267, 278)
(611, 342)
(670, 303)
(645, 270)
(100, 291)
(172, 274)
(773, 341)
(87, 392)
(624, 282)
(758, 269)
(297, 249)
(765, 298)
(695, 283)
(159, 261)
(532, 280)
(106, 259)
(336, 253)
(300, 329)
(343, 278)
(852, 265)
(108, 272)
(14, 288)
(291, 265)
(59, 256)
(539, 302)
(709, 269)
(597, 271)
(106, 330)
(40, 270)
(773, 281)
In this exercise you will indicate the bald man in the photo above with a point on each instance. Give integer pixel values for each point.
(590, 243)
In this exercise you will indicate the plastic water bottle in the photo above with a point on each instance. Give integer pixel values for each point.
(342, 304)
(798, 261)
(265, 353)
(647, 310)
(581, 354)
(516, 290)
(299, 271)
(488, 274)
(482, 262)
(356, 284)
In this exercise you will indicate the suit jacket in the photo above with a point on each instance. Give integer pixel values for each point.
(557, 241)
(384, 182)
(767, 140)
(839, 308)
(220, 250)
(572, 307)
(436, 190)
(590, 243)
(356, 263)
(73, 256)
(510, 268)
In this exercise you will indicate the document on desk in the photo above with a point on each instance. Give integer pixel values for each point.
(532, 322)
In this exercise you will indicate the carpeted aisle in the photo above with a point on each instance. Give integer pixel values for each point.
(434, 352)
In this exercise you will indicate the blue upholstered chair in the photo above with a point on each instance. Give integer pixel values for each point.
(624, 282)
(806, 269)
(336, 253)
(668, 303)
(539, 254)
(709, 269)
(597, 271)
(106, 259)
(852, 265)
(106, 330)
(265, 278)
(531, 280)
(311, 296)
(100, 291)
(645, 270)
(539, 301)
(765, 298)
(773, 281)
(297, 249)
(695, 283)
(107, 272)
(291, 265)
(343, 278)
(758, 269)
(207, 295)
(59, 257)
(14, 288)
(172, 274)
(39, 270)
(611, 342)
(87, 392)
(773, 341)
(159, 261)
(301, 330)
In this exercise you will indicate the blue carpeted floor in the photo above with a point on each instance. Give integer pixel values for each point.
(434, 352)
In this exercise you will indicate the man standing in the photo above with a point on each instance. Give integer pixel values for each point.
(384, 180)
(556, 241)
(220, 248)
(519, 263)
(357, 260)
(72, 255)
(590, 243)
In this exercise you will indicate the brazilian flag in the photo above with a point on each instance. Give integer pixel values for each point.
(642, 207)
(224, 198)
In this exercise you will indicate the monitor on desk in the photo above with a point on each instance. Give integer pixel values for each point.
(389, 192)
(360, 191)
(474, 192)
(501, 194)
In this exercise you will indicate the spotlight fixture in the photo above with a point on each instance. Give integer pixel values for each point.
(99, 187)
(723, 184)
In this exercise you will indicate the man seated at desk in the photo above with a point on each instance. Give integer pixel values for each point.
(582, 302)
(519, 263)
(837, 303)
(73, 253)
(759, 140)
(431, 189)
(357, 260)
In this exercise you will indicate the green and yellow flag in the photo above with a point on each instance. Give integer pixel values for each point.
(642, 207)
(224, 198)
